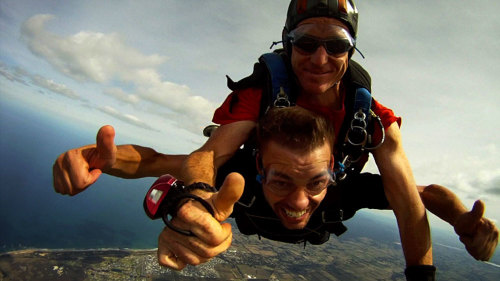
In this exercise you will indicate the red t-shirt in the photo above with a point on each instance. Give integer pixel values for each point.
(247, 107)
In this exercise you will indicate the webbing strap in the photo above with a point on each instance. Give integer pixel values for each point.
(278, 74)
(362, 100)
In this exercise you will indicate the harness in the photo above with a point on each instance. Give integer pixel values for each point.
(274, 76)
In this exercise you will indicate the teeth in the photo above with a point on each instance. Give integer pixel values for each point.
(294, 214)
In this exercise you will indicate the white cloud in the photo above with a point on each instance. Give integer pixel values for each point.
(120, 94)
(131, 119)
(13, 74)
(105, 58)
(19, 75)
(54, 87)
(86, 56)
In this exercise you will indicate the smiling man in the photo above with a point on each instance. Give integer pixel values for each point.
(294, 197)
(295, 163)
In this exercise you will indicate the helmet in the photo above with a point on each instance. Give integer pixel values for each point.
(343, 10)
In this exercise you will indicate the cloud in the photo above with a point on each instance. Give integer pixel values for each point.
(13, 74)
(19, 75)
(54, 87)
(192, 112)
(106, 58)
(493, 185)
(131, 119)
(482, 184)
(86, 56)
(120, 94)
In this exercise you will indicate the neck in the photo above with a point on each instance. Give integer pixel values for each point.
(330, 98)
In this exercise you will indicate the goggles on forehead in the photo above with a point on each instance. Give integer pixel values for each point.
(308, 37)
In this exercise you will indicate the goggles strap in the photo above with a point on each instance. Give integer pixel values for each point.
(357, 50)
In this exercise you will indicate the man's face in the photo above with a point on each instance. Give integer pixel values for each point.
(295, 181)
(319, 71)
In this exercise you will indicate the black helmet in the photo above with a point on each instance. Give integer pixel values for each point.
(343, 10)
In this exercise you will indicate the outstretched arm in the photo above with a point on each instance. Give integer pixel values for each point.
(479, 234)
(78, 168)
(402, 194)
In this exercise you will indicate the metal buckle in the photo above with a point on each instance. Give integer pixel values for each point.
(281, 99)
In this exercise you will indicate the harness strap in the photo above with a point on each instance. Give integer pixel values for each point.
(363, 100)
(358, 136)
(278, 74)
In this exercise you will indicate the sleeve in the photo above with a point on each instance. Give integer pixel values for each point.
(238, 106)
(386, 115)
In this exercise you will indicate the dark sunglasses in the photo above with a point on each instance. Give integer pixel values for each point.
(333, 46)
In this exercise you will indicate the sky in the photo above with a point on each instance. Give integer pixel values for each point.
(155, 70)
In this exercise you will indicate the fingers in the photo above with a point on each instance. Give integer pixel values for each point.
(105, 140)
(483, 244)
(71, 173)
(211, 236)
(76, 169)
(105, 148)
(176, 250)
(166, 257)
(194, 217)
(477, 211)
(229, 193)
(481, 237)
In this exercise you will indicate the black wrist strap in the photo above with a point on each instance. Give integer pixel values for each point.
(178, 199)
(420, 273)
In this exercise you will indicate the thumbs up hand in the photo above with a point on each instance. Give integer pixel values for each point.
(479, 234)
(212, 236)
(78, 168)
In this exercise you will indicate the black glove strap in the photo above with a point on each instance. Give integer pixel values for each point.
(177, 200)
(420, 273)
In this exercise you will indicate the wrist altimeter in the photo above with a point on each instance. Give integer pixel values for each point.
(168, 194)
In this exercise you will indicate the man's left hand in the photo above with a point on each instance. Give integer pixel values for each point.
(479, 234)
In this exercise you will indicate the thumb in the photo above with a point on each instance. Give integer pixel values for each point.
(106, 149)
(477, 211)
(229, 193)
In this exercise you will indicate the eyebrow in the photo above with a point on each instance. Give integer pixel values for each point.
(287, 177)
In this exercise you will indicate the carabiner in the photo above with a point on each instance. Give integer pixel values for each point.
(282, 99)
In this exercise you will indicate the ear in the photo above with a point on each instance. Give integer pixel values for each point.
(332, 163)
(258, 165)
(258, 162)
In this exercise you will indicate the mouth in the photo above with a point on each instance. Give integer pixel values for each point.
(295, 214)
(317, 72)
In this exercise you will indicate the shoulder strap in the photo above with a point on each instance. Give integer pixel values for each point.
(358, 76)
(278, 78)
(272, 73)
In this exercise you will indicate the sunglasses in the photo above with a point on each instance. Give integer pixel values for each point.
(333, 46)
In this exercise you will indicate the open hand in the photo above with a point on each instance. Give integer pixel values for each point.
(212, 237)
(479, 234)
(78, 168)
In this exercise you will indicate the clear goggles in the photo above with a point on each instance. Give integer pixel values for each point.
(282, 179)
(308, 37)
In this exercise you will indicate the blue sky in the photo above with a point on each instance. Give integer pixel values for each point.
(156, 70)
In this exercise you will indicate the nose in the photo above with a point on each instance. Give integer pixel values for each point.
(298, 199)
(320, 56)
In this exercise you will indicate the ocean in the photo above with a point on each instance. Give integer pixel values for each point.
(107, 215)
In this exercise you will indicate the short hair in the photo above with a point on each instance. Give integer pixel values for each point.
(295, 128)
